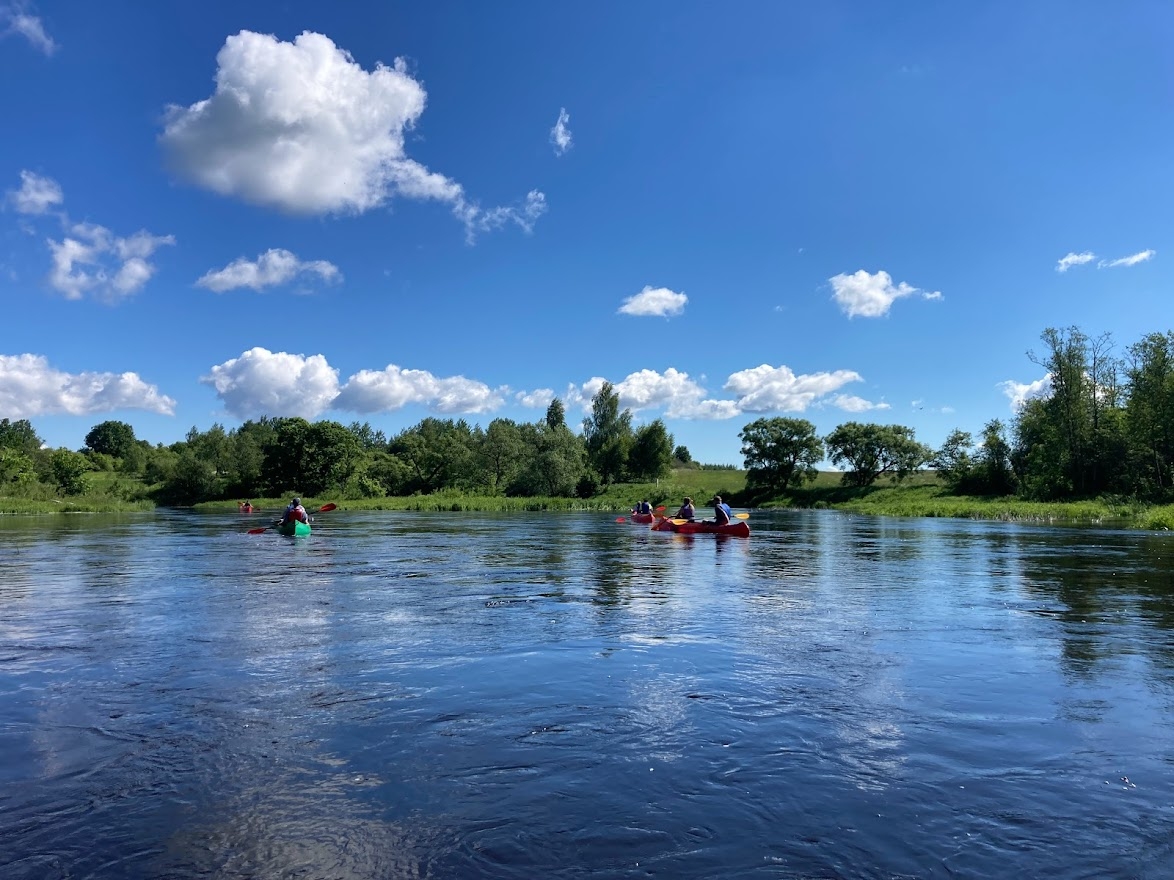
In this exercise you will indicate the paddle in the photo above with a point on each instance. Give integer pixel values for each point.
(679, 522)
(323, 509)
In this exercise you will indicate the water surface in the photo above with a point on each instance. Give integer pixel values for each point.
(558, 695)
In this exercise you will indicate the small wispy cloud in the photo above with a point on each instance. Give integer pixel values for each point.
(275, 266)
(16, 19)
(560, 135)
(658, 301)
(1132, 260)
(1074, 259)
(37, 194)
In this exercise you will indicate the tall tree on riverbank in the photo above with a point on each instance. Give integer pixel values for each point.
(870, 451)
(1149, 413)
(780, 453)
(608, 435)
(651, 456)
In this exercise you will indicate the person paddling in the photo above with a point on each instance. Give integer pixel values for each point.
(687, 511)
(295, 511)
(721, 511)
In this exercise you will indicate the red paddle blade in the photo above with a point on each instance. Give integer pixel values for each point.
(659, 509)
(620, 519)
(327, 507)
(259, 531)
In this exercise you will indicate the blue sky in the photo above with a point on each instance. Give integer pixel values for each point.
(382, 211)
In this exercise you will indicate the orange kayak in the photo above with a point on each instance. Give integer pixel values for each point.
(738, 528)
(642, 517)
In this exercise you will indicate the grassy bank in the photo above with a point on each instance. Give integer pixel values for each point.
(701, 485)
(924, 495)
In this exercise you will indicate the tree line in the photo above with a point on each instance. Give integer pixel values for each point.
(1104, 424)
(270, 457)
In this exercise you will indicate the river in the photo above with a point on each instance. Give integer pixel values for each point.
(559, 695)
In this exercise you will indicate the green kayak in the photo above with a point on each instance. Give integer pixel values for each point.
(293, 529)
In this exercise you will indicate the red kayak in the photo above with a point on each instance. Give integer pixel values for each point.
(642, 517)
(737, 528)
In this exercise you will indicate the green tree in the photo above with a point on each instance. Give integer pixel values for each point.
(111, 438)
(651, 455)
(780, 453)
(17, 471)
(993, 474)
(1149, 414)
(501, 452)
(332, 455)
(20, 436)
(69, 471)
(954, 462)
(439, 452)
(607, 433)
(368, 437)
(872, 450)
(192, 480)
(681, 454)
(556, 415)
(283, 469)
(553, 463)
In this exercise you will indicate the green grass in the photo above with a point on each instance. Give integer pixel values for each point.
(72, 504)
(925, 495)
(700, 485)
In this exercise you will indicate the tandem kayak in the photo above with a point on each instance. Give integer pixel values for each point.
(294, 529)
(642, 518)
(737, 529)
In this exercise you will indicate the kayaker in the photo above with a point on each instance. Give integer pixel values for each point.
(644, 508)
(721, 511)
(687, 511)
(295, 511)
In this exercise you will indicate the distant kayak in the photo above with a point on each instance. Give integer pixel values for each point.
(246, 508)
(642, 517)
(294, 529)
(736, 529)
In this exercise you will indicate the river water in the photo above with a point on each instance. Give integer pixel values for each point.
(559, 695)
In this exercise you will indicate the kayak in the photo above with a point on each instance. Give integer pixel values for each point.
(642, 517)
(738, 528)
(294, 529)
(246, 508)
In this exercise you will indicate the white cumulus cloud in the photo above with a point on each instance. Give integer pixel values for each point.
(261, 382)
(658, 301)
(777, 389)
(757, 390)
(275, 266)
(871, 296)
(1071, 259)
(90, 259)
(560, 135)
(37, 194)
(15, 19)
(1020, 392)
(680, 396)
(539, 398)
(392, 388)
(30, 387)
(302, 127)
(1132, 260)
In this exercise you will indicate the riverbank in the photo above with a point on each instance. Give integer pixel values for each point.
(923, 495)
(931, 499)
